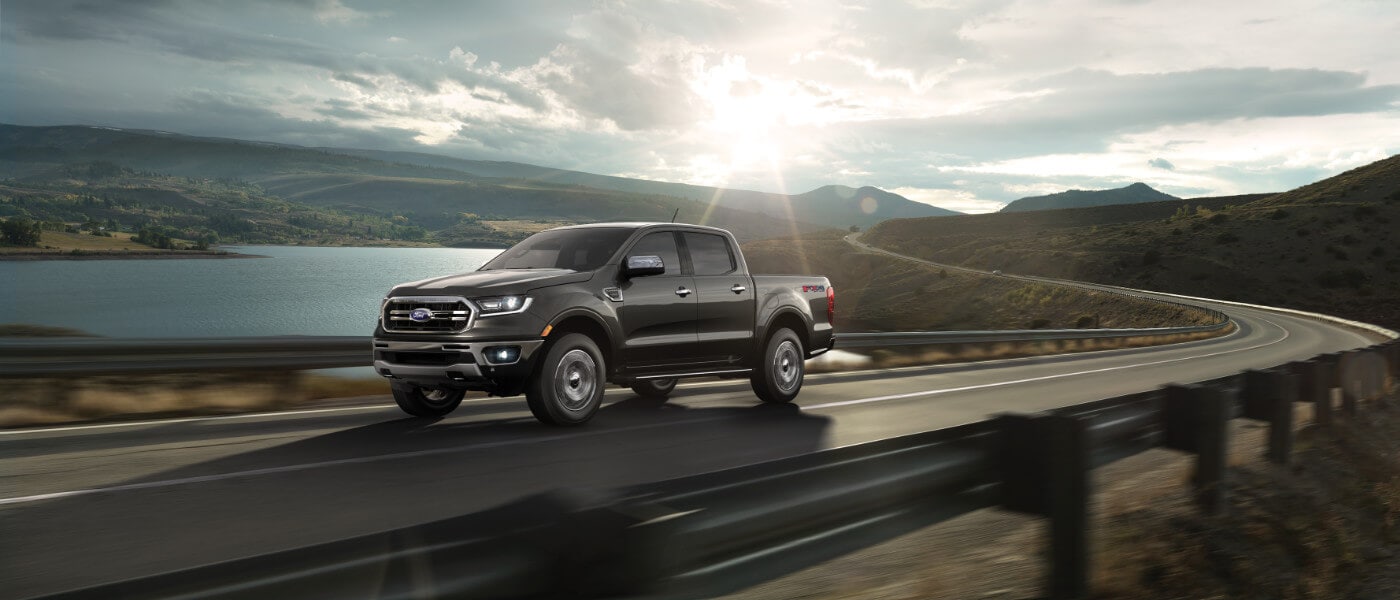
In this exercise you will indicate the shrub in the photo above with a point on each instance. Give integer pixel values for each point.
(1278, 214)
(19, 231)
(1086, 322)
(1039, 324)
(1218, 218)
(1151, 257)
(1227, 238)
(1352, 278)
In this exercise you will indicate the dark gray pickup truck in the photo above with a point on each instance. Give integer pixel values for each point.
(568, 310)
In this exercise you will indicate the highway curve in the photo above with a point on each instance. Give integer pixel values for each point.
(91, 504)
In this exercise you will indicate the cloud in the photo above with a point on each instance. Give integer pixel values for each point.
(961, 102)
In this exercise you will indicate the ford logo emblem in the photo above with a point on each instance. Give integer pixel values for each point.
(419, 315)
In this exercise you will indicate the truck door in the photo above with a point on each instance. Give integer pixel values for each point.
(725, 325)
(657, 312)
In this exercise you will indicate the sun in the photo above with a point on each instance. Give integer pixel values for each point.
(747, 126)
(744, 115)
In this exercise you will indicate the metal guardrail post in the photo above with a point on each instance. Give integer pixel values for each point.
(1046, 465)
(1312, 388)
(1350, 389)
(1196, 419)
(1392, 359)
(1269, 396)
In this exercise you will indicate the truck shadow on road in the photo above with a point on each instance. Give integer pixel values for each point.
(383, 474)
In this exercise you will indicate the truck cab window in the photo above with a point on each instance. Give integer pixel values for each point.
(709, 254)
(663, 244)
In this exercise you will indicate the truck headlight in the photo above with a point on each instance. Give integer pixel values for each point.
(501, 305)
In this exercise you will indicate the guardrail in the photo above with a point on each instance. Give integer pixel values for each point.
(29, 358)
(51, 357)
(719, 532)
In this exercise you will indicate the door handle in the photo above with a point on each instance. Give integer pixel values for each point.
(738, 289)
(682, 291)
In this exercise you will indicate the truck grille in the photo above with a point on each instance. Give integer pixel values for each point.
(448, 315)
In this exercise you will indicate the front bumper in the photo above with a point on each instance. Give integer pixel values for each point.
(462, 364)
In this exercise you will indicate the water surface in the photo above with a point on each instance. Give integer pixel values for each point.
(297, 291)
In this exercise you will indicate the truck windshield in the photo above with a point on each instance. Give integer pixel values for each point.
(583, 249)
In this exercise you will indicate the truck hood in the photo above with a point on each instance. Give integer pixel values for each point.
(490, 283)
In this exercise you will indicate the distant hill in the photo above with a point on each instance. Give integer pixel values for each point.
(833, 205)
(1376, 182)
(35, 150)
(1136, 193)
(1329, 247)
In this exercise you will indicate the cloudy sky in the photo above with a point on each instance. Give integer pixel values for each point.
(965, 105)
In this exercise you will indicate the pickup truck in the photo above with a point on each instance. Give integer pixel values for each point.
(568, 310)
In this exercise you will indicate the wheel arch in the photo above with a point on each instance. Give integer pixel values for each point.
(589, 324)
(786, 318)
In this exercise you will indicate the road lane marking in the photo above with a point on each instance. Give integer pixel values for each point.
(280, 413)
(342, 462)
(194, 419)
(1044, 377)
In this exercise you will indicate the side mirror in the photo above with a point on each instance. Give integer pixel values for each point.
(639, 266)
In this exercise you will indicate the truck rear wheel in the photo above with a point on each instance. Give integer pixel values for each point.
(568, 388)
(424, 402)
(778, 377)
(654, 388)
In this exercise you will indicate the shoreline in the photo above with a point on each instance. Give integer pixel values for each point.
(120, 255)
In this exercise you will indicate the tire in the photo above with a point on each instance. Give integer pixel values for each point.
(421, 402)
(654, 388)
(568, 386)
(778, 376)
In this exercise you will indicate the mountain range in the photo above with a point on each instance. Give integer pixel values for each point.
(425, 184)
(1136, 193)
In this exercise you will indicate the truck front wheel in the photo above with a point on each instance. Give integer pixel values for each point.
(568, 388)
(424, 402)
(778, 377)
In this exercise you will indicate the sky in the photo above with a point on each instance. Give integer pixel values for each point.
(963, 105)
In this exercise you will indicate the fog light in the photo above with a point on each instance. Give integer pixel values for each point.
(501, 355)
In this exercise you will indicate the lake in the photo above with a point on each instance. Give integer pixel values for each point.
(297, 291)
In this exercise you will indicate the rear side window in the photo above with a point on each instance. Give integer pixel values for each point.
(663, 244)
(709, 254)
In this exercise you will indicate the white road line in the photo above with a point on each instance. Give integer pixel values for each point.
(195, 419)
(341, 462)
(1042, 378)
(280, 413)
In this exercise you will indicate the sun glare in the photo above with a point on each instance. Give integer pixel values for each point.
(747, 115)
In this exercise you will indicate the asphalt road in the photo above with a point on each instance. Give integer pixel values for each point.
(91, 504)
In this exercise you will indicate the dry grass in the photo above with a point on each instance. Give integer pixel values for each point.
(1329, 247)
(884, 358)
(1324, 528)
(876, 292)
(41, 400)
(46, 400)
(320, 387)
(525, 226)
(60, 240)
